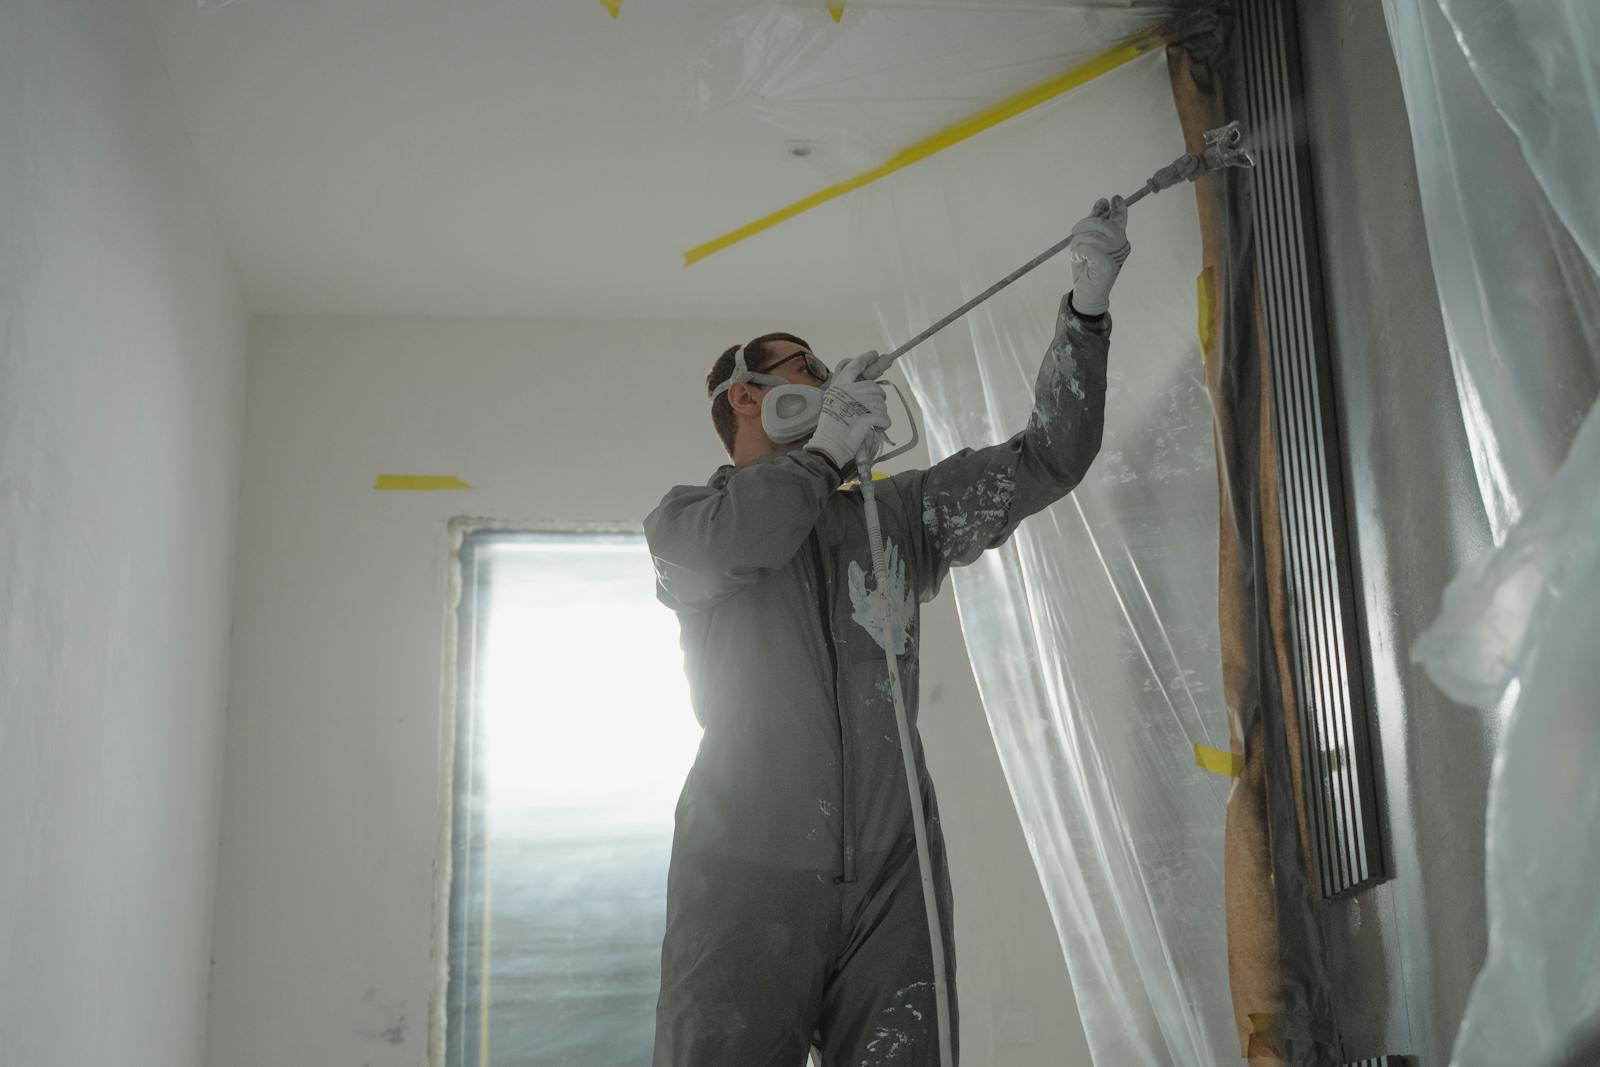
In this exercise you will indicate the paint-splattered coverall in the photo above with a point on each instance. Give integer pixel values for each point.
(794, 903)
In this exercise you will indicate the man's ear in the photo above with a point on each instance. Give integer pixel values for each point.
(744, 399)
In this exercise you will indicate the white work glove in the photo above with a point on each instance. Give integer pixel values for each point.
(853, 410)
(1099, 247)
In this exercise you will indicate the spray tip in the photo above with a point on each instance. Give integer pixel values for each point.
(1224, 148)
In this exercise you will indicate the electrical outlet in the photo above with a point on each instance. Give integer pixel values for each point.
(1016, 1025)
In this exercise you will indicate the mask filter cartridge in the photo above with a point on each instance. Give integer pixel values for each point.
(790, 412)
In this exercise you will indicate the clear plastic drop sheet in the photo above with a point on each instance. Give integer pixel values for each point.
(891, 72)
(1525, 618)
(1093, 632)
(1502, 258)
(1517, 635)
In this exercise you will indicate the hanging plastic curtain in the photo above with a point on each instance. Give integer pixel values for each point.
(1093, 633)
(1503, 98)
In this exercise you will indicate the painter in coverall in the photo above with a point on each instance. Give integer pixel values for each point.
(794, 902)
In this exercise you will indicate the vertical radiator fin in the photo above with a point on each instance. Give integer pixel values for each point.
(1339, 793)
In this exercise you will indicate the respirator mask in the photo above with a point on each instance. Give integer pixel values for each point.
(789, 412)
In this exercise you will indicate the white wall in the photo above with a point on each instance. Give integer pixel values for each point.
(122, 358)
(333, 751)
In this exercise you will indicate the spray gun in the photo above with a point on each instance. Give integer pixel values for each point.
(1222, 150)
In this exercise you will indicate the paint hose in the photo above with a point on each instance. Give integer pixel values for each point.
(888, 620)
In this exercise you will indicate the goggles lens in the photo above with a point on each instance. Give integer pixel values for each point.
(811, 364)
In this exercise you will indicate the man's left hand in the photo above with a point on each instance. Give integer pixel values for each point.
(1099, 248)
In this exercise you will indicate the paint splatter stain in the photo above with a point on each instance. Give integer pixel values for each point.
(391, 1029)
(866, 604)
(974, 518)
(896, 1034)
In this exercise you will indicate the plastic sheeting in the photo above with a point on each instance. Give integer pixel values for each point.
(1093, 633)
(1514, 231)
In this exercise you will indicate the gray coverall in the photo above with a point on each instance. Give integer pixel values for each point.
(794, 903)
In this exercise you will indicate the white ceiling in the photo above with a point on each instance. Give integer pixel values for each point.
(490, 157)
(541, 158)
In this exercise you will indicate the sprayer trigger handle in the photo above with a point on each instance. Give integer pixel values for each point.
(869, 450)
(876, 366)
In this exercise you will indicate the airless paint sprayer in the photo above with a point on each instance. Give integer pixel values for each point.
(1222, 150)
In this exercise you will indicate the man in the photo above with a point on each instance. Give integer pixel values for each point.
(794, 902)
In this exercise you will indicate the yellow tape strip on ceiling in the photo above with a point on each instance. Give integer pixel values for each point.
(989, 117)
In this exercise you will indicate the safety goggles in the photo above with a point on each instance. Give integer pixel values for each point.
(742, 373)
(810, 364)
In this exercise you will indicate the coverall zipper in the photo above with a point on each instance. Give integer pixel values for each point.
(847, 859)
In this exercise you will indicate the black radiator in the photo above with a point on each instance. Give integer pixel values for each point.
(1336, 752)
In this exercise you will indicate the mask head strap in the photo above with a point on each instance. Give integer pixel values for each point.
(743, 373)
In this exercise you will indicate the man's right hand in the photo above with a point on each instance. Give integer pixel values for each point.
(852, 411)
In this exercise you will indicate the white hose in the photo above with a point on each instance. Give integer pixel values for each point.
(888, 613)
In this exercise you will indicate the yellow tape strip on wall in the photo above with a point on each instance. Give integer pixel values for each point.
(485, 1002)
(419, 483)
(1218, 761)
(991, 116)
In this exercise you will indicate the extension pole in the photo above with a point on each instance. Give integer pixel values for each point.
(1222, 150)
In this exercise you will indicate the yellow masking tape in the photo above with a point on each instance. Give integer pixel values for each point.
(1218, 761)
(419, 483)
(484, 1001)
(613, 6)
(836, 9)
(1204, 303)
(1263, 1023)
(991, 116)
(855, 483)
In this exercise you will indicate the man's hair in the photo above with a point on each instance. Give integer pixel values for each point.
(756, 356)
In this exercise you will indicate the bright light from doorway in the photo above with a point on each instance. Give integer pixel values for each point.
(586, 706)
(574, 735)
